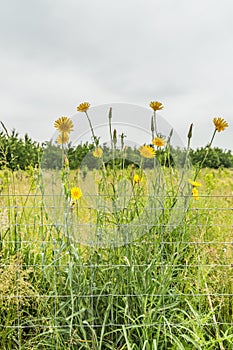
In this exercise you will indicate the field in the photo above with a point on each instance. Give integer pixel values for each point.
(171, 288)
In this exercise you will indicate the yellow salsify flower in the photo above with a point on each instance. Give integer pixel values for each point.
(63, 138)
(220, 124)
(156, 105)
(83, 107)
(147, 151)
(195, 193)
(98, 152)
(136, 178)
(194, 183)
(75, 193)
(159, 142)
(64, 124)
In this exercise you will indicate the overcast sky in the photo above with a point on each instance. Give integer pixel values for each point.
(58, 53)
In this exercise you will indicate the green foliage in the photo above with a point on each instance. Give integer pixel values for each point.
(163, 291)
(20, 153)
(77, 154)
(16, 152)
(216, 158)
(51, 156)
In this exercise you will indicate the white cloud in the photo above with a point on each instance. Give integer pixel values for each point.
(56, 54)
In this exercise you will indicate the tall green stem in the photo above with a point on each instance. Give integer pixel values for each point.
(110, 126)
(152, 128)
(206, 154)
(155, 123)
(92, 130)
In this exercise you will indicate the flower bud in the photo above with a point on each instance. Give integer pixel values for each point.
(110, 113)
(114, 136)
(190, 131)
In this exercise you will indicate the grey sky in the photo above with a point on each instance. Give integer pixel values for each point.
(56, 54)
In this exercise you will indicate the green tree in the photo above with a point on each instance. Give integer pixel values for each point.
(212, 161)
(16, 152)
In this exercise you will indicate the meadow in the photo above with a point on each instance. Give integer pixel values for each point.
(108, 246)
(169, 288)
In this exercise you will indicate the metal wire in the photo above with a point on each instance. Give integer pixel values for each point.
(11, 221)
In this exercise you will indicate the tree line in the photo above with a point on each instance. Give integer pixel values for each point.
(22, 152)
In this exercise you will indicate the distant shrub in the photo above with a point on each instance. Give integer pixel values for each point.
(216, 158)
(16, 152)
(21, 153)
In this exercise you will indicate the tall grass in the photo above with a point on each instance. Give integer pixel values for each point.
(169, 289)
(128, 265)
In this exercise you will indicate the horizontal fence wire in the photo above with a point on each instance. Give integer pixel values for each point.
(71, 287)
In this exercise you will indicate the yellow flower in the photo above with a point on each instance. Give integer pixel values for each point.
(159, 142)
(147, 151)
(220, 124)
(98, 152)
(83, 107)
(64, 124)
(76, 193)
(194, 183)
(136, 178)
(195, 193)
(156, 106)
(63, 138)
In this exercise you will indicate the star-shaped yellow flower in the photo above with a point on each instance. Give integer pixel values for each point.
(136, 178)
(194, 183)
(147, 151)
(75, 193)
(195, 193)
(220, 124)
(156, 105)
(64, 124)
(83, 107)
(98, 152)
(63, 138)
(159, 142)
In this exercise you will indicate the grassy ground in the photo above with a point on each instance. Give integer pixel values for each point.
(170, 289)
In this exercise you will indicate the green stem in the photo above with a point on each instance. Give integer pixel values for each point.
(110, 126)
(152, 128)
(185, 162)
(155, 124)
(92, 130)
(207, 152)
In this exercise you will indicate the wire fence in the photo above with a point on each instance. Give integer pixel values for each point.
(170, 288)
